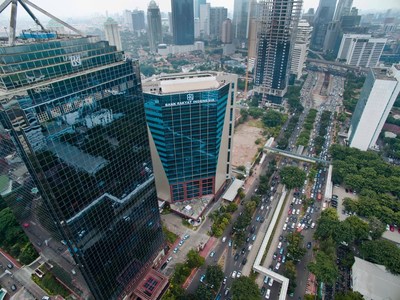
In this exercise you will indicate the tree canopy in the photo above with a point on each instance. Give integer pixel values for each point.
(214, 276)
(324, 268)
(244, 288)
(273, 118)
(292, 177)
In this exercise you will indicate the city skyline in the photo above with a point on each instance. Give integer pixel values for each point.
(80, 9)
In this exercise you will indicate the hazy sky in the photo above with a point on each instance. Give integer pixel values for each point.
(70, 8)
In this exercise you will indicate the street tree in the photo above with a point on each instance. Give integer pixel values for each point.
(349, 295)
(292, 177)
(359, 228)
(244, 288)
(290, 272)
(327, 225)
(194, 260)
(376, 227)
(324, 268)
(272, 118)
(204, 293)
(295, 246)
(214, 276)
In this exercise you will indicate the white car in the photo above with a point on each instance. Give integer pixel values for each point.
(287, 220)
(271, 282)
(279, 245)
(278, 265)
(298, 211)
(234, 274)
(238, 274)
(268, 294)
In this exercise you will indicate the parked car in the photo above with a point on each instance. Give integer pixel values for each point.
(202, 278)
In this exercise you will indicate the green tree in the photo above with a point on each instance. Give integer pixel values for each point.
(290, 272)
(359, 228)
(194, 260)
(231, 207)
(292, 177)
(214, 276)
(245, 114)
(376, 227)
(295, 246)
(272, 118)
(245, 288)
(327, 225)
(382, 252)
(349, 295)
(204, 293)
(324, 268)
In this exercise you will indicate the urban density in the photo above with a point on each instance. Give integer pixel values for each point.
(200, 150)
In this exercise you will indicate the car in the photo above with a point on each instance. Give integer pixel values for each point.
(278, 265)
(287, 220)
(266, 279)
(236, 257)
(230, 243)
(281, 251)
(298, 211)
(262, 207)
(224, 281)
(279, 258)
(280, 237)
(10, 266)
(268, 294)
(293, 225)
(280, 245)
(391, 228)
(289, 212)
(248, 240)
(45, 298)
(243, 250)
(238, 274)
(253, 229)
(244, 261)
(180, 243)
(253, 237)
(234, 274)
(212, 253)
(13, 287)
(202, 278)
(263, 289)
(176, 250)
(271, 282)
(262, 220)
(25, 225)
(274, 256)
(284, 227)
(283, 259)
(186, 236)
(309, 245)
(224, 239)
(258, 218)
(312, 225)
(226, 291)
(387, 227)
(169, 259)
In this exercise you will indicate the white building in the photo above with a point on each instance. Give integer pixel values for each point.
(164, 49)
(300, 49)
(378, 94)
(361, 50)
(205, 20)
(112, 33)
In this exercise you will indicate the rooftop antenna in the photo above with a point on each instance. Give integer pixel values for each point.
(24, 4)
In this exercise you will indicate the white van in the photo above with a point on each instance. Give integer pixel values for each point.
(267, 294)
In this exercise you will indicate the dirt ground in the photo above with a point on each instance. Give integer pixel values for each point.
(319, 99)
(244, 147)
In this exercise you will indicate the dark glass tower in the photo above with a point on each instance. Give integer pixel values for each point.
(73, 107)
(276, 38)
(323, 16)
(182, 22)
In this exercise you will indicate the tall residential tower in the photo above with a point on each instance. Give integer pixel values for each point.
(112, 33)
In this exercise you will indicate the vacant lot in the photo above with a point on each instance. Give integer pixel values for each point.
(244, 147)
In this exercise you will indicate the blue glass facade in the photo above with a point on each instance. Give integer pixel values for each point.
(187, 130)
(74, 110)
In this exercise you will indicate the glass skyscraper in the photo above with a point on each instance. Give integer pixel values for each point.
(191, 121)
(74, 109)
(182, 22)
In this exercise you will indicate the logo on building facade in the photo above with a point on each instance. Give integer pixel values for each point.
(190, 97)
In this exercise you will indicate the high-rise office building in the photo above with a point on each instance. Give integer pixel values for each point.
(300, 49)
(112, 33)
(226, 35)
(138, 23)
(182, 22)
(361, 50)
(343, 9)
(240, 20)
(380, 91)
(127, 19)
(205, 20)
(197, 4)
(332, 33)
(276, 37)
(217, 16)
(323, 16)
(73, 107)
(190, 118)
(309, 16)
(154, 25)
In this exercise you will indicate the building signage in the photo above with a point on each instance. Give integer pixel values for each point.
(188, 102)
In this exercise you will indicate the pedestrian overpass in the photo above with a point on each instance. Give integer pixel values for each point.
(296, 156)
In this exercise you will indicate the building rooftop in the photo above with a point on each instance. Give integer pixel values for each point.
(374, 281)
(382, 74)
(232, 191)
(180, 83)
